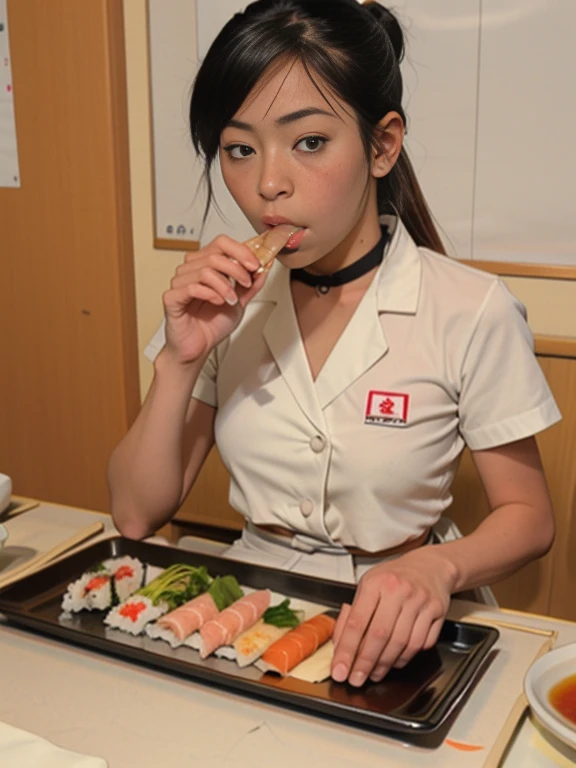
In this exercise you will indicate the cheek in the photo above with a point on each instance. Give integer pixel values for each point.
(338, 187)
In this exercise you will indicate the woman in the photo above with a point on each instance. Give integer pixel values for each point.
(342, 386)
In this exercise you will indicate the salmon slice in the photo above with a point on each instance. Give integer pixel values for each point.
(190, 616)
(297, 645)
(232, 621)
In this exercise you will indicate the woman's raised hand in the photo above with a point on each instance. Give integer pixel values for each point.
(203, 306)
(398, 610)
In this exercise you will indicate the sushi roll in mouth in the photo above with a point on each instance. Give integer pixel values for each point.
(270, 243)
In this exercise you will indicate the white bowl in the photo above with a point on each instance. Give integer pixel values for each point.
(540, 678)
(3, 535)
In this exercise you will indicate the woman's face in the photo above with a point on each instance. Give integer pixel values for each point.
(289, 156)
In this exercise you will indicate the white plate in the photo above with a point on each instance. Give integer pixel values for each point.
(540, 678)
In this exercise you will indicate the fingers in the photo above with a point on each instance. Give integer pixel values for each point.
(177, 301)
(391, 619)
(389, 628)
(223, 266)
(356, 623)
(341, 622)
(233, 250)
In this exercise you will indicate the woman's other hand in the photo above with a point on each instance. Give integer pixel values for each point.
(207, 297)
(398, 610)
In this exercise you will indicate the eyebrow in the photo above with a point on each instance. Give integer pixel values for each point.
(284, 120)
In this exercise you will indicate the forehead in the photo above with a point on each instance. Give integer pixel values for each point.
(287, 87)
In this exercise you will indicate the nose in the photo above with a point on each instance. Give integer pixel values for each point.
(274, 179)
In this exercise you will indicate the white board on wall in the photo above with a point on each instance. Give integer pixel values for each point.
(491, 121)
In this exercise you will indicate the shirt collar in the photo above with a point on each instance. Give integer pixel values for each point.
(397, 279)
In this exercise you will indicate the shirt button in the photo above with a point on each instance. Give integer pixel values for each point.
(317, 443)
(306, 507)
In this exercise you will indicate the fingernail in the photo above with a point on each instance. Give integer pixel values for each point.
(231, 301)
(358, 679)
(340, 673)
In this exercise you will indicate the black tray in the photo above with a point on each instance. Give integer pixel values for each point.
(416, 700)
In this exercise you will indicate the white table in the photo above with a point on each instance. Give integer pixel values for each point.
(138, 717)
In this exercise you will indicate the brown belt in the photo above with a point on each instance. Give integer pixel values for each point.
(399, 549)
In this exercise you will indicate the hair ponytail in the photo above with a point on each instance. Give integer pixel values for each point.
(400, 192)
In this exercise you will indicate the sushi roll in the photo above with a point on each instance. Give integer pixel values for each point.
(133, 614)
(250, 645)
(297, 645)
(232, 621)
(176, 626)
(127, 574)
(92, 591)
(104, 585)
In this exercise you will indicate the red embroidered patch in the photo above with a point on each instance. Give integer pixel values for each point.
(388, 409)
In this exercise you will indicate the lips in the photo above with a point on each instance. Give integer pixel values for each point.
(274, 221)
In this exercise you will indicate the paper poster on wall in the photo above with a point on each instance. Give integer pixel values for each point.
(9, 168)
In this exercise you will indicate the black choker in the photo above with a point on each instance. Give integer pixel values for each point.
(323, 283)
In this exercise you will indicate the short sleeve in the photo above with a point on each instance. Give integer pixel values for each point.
(504, 395)
(205, 387)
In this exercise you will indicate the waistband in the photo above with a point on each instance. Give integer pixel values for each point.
(280, 535)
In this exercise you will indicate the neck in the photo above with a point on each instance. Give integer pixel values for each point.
(358, 242)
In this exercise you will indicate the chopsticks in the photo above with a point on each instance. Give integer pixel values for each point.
(16, 507)
(44, 558)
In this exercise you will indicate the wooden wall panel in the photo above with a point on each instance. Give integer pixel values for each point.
(559, 449)
(69, 384)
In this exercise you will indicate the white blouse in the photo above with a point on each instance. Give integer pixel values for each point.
(437, 356)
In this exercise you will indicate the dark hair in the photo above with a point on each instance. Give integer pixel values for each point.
(356, 49)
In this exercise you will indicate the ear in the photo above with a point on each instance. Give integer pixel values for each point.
(390, 136)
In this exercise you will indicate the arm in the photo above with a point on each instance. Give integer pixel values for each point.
(153, 468)
(520, 527)
(400, 605)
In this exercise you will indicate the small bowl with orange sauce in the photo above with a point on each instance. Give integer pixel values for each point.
(550, 687)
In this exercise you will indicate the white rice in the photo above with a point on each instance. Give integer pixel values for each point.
(156, 632)
(194, 641)
(77, 599)
(99, 599)
(117, 620)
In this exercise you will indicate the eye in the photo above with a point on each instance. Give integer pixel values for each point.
(311, 144)
(238, 151)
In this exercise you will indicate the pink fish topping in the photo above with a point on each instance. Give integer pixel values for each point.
(96, 583)
(232, 621)
(189, 617)
(123, 572)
